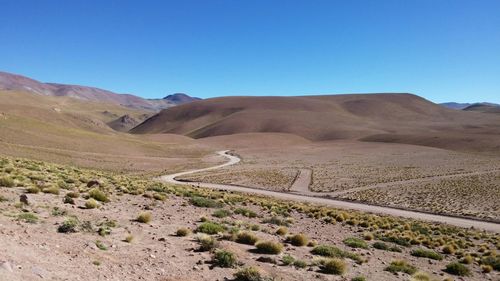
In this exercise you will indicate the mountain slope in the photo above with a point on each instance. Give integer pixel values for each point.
(374, 117)
(16, 82)
(484, 107)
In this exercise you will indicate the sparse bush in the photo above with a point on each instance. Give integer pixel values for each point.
(98, 195)
(223, 258)
(27, 217)
(247, 238)
(299, 240)
(486, 268)
(144, 217)
(248, 274)
(245, 212)
(468, 259)
(205, 202)
(358, 278)
(129, 238)
(56, 211)
(287, 260)
(101, 245)
(355, 243)
(68, 226)
(160, 196)
(334, 266)
(255, 227)
(424, 253)
(456, 268)
(68, 200)
(270, 248)
(183, 232)
(32, 189)
(91, 204)
(7, 181)
(448, 249)
(221, 213)
(207, 242)
(368, 236)
(282, 231)
(493, 261)
(334, 252)
(300, 264)
(73, 194)
(52, 190)
(277, 221)
(420, 276)
(210, 228)
(401, 266)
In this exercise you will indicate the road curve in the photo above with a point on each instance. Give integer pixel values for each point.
(456, 221)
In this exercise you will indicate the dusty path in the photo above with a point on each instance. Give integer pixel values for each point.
(461, 222)
(302, 182)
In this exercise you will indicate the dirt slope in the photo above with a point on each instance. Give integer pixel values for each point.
(401, 118)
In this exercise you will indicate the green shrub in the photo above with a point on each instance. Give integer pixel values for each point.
(245, 212)
(205, 202)
(300, 264)
(52, 190)
(493, 261)
(207, 242)
(401, 266)
(358, 278)
(27, 217)
(68, 200)
(183, 231)
(334, 266)
(32, 189)
(277, 221)
(269, 247)
(144, 217)
(91, 204)
(98, 195)
(223, 258)
(287, 260)
(449, 249)
(221, 213)
(355, 243)
(247, 238)
(386, 247)
(457, 268)
(424, 253)
(468, 259)
(248, 274)
(101, 245)
(334, 252)
(210, 228)
(299, 240)
(68, 226)
(6, 181)
(160, 196)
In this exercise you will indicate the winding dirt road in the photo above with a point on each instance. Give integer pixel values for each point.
(461, 222)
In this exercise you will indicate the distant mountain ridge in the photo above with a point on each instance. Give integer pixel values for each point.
(457, 105)
(9, 81)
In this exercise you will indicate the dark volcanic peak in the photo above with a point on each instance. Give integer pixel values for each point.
(180, 98)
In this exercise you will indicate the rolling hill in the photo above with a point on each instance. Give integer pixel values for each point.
(484, 107)
(403, 118)
(14, 82)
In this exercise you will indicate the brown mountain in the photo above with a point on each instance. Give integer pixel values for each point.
(403, 118)
(16, 82)
(484, 107)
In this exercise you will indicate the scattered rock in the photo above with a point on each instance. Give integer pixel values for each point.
(92, 183)
(266, 259)
(24, 199)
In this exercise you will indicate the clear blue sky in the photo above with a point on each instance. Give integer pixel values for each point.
(444, 50)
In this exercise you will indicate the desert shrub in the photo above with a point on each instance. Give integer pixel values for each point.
(207, 242)
(386, 247)
(334, 266)
(52, 190)
(91, 204)
(32, 189)
(3, 199)
(420, 276)
(144, 217)
(493, 261)
(205, 202)
(457, 268)
(223, 258)
(312, 243)
(210, 228)
(282, 231)
(248, 274)
(98, 195)
(300, 264)
(467, 259)
(6, 181)
(299, 240)
(245, 212)
(486, 268)
(287, 260)
(448, 249)
(355, 243)
(56, 211)
(221, 213)
(68, 200)
(129, 238)
(27, 217)
(401, 266)
(73, 194)
(402, 241)
(160, 196)
(247, 238)
(183, 231)
(424, 253)
(277, 221)
(269, 247)
(101, 245)
(334, 252)
(255, 227)
(68, 226)
(368, 236)
(358, 278)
